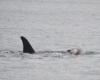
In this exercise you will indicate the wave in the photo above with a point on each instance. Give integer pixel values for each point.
(40, 54)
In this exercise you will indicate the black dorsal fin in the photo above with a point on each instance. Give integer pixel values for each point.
(27, 48)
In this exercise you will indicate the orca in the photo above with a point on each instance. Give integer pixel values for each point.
(27, 48)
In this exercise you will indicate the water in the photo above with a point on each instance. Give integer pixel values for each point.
(23, 66)
(56, 24)
(50, 25)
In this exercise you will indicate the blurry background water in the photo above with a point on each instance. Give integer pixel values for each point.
(50, 24)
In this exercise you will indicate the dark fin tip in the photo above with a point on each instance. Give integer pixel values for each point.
(27, 48)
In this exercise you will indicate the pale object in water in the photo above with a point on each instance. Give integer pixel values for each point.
(75, 51)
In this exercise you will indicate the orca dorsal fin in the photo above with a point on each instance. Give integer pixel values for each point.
(27, 48)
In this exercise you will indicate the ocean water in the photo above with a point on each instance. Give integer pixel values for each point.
(50, 26)
(51, 66)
